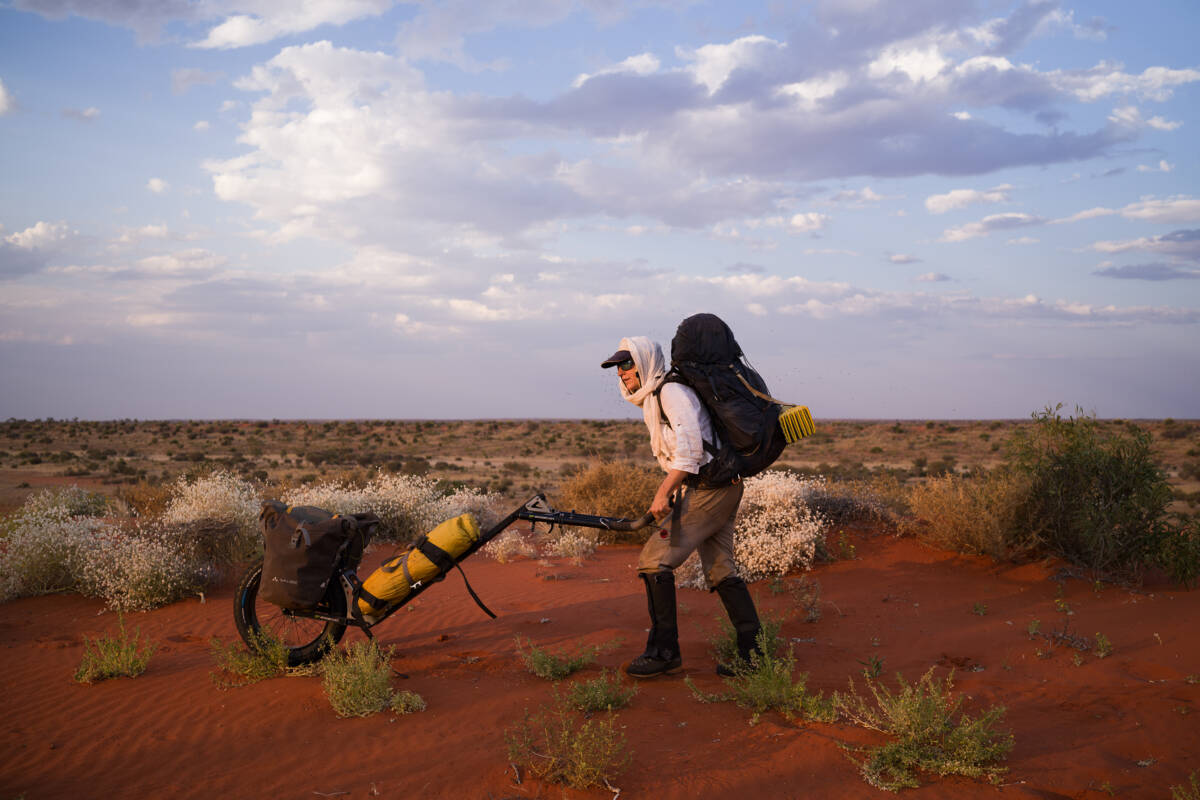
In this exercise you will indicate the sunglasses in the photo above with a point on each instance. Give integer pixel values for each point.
(625, 365)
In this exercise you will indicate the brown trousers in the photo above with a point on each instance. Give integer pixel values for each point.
(702, 520)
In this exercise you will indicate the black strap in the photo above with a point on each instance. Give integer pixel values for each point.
(444, 562)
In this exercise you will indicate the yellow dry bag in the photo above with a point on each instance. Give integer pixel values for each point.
(431, 557)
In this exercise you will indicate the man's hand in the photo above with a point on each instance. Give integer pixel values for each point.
(661, 506)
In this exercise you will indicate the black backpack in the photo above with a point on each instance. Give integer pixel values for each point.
(706, 357)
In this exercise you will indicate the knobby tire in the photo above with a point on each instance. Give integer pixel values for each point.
(307, 639)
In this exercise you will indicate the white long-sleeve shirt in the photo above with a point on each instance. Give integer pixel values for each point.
(690, 426)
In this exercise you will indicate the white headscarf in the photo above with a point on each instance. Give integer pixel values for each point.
(652, 368)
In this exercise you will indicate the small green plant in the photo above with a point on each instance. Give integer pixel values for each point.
(241, 666)
(806, 595)
(357, 682)
(551, 666)
(1191, 792)
(846, 549)
(1062, 607)
(932, 735)
(406, 701)
(872, 667)
(724, 643)
(555, 744)
(114, 656)
(766, 684)
(604, 693)
(1033, 628)
(703, 696)
(1103, 646)
(980, 609)
(1192, 679)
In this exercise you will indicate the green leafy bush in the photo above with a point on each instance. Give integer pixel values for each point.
(1099, 493)
(114, 656)
(559, 745)
(932, 735)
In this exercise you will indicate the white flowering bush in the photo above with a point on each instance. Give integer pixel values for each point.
(44, 548)
(407, 505)
(776, 531)
(509, 545)
(50, 549)
(142, 567)
(220, 496)
(573, 545)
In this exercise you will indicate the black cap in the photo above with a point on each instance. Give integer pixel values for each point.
(616, 358)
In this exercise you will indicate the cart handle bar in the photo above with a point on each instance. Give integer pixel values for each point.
(537, 510)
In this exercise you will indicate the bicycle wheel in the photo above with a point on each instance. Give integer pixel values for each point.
(306, 639)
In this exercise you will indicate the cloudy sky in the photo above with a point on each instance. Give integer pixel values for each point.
(368, 208)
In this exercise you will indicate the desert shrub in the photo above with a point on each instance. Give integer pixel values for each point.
(559, 745)
(44, 549)
(982, 515)
(145, 499)
(553, 666)
(406, 701)
(604, 693)
(70, 501)
(139, 567)
(882, 499)
(407, 505)
(776, 531)
(114, 656)
(932, 735)
(767, 684)
(357, 682)
(509, 545)
(240, 666)
(573, 545)
(219, 495)
(1189, 792)
(1100, 493)
(612, 489)
(1179, 551)
(724, 643)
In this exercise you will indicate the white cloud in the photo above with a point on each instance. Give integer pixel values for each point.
(1154, 83)
(961, 198)
(903, 258)
(1131, 117)
(1181, 243)
(995, 222)
(712, 64)
(808, 222)
(858, 197)
(1091, 213)
(82, 115)
(932, 277)
(157, 185)
(271, 20)
(808, 94)
(201, 125)
(1171, 210)
(1162, 166)
(923, 63)
(6, 100)
(39, 236)
(1023, 240)
(642, 64)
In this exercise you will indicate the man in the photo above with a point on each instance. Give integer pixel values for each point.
(701, 517)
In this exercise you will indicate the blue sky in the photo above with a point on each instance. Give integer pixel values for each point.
(908, 209)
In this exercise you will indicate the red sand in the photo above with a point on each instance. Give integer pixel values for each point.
(1080, 731)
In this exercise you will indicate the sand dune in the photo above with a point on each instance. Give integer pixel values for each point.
(1123, 723)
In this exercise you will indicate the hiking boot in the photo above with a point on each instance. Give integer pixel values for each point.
(661, 656)
(740, 607)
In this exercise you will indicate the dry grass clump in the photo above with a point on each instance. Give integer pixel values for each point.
(612, 489)
(114, 656)
(981, 515)
(510, 545)
(563, 746)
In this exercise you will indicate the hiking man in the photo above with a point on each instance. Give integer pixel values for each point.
(701, 518)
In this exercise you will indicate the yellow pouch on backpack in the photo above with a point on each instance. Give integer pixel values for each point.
(796, 423)
(396, 577)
